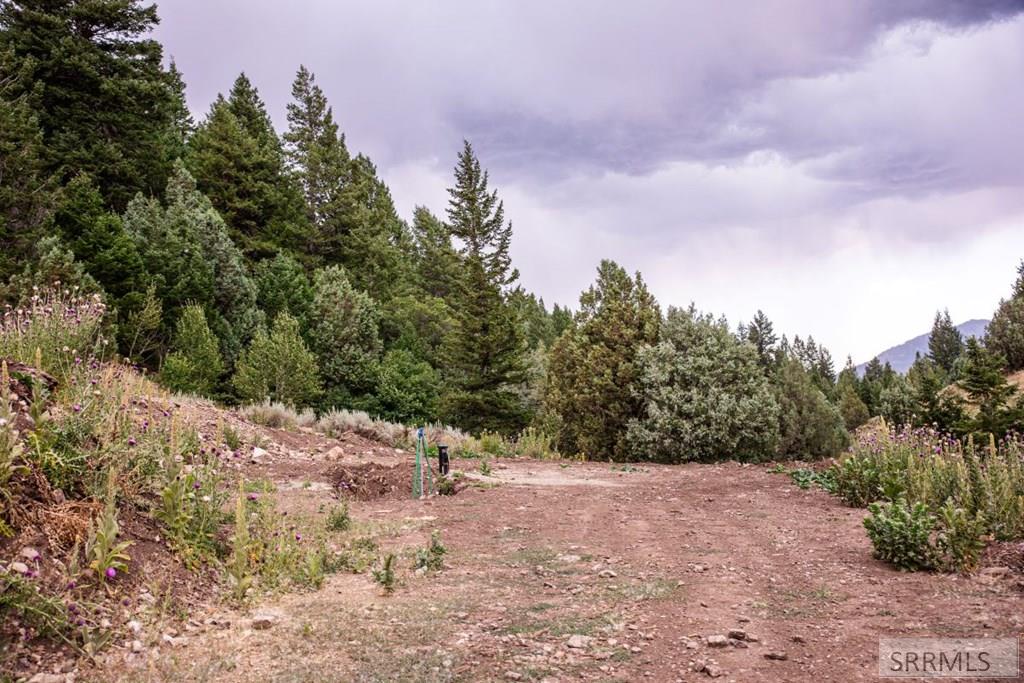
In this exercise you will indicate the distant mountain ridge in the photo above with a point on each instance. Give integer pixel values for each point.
(902, 357)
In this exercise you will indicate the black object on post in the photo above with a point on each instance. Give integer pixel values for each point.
(442, 460)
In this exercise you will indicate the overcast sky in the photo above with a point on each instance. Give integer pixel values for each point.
(849, 167)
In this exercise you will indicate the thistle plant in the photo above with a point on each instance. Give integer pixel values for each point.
(238, 563)
(107, 555)
(11, 449)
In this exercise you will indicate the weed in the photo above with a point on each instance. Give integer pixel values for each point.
(339, 519)
(901, 534)
(431, 558)
(808, 478)
(232, 439)
(106, 555)
(385, 576)
(485, 468)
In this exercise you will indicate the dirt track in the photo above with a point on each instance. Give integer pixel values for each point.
(645, 565)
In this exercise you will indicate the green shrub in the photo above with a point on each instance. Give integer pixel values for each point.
(339, 519)
(190, 508)
(901, 534)
(431, 558)
(278, 366)
(277, 415)
(534, 443)
(960, 539)
(195, 365)
(705, 395)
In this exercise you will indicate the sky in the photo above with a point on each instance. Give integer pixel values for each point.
(848, 167)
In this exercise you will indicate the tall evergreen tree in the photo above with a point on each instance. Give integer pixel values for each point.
(27, 190)
(984, 381)
(99, 241)
(945, 344)
(377, 248)
(761, 334)
(592, 376)
(238, 163)
(485, 358)
(1005, 334)
(96, 80)
(190, 258)
(438, 263)
(317, 154)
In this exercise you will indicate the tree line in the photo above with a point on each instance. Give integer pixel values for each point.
(245, 264)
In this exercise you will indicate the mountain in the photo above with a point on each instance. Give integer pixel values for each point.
(902, 357)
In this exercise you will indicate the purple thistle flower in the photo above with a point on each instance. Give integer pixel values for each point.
(111, 572)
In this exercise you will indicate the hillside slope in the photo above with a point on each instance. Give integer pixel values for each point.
(901, 357)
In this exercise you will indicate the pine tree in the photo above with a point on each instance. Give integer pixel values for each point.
(932, 405)
(592, 377)
(238, 164)
(1005, 334)
(809, 426)
(344, 335)
(27, 190)
(278, 366)
(317, 154)
(103, 99)
(851, 406)
(761, 334)
(191, 259)
(284, 287)
(984, 382)
(377, 249)
(945, 344)
(438, 264)
(485, 353)
(194, 366)
(100, 243)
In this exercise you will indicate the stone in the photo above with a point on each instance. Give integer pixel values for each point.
(135, 626)
(717, 640)
(714, 671)
(18, 567)
(30, 554)
(136, 646)
(578, 642)
(738, 634)
(776, 655)
(513, 676)
(47, 678)
(261, 622)
(607, 574)
(259, 453)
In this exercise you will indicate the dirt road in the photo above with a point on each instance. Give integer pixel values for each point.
(564, 572)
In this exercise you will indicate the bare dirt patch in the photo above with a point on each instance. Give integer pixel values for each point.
(559, 581)
(371, 480)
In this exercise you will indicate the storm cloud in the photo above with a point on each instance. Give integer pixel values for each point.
(848, 167)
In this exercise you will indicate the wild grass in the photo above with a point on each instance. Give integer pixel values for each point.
(278, 415)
